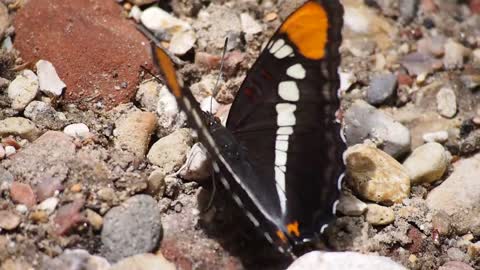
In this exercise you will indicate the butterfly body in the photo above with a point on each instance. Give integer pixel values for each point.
(280, 154)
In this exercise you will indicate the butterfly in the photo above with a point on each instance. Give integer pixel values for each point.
(280, 154)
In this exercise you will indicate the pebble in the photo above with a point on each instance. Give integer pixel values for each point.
(44, 115)
(135, 13)
(420, 63)
(249, 24)
(147, 95)
(39, 216)
(144, 262)
(156, 183)
(343, 261)
(78, 130)
(375, 175)
(438, 136)
(68, 217)
(382, 88)
(210, 104)
(169, 153)
(347, 79)
(446, 102)
(379, 215)
(182, 42)
(427, 163)
(433, 45)
(10, 150)
(19, 126)
(363, 121)
(198, 164)
(21, 208)
(23, 89)
(132, 228)
(107, 194)
(270, 17)
(442, 223)
(48, 205)
(459, 195)
(8, 220)
(159, 21)
(50, 84)
(349, 205)
(76, 188)
(133, 132)
(76, 259)
(453, 265)
(22, 194)
(454, 54)
(408, 10)
(94, 219)
(169, 116)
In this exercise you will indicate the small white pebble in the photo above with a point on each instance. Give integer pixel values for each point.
(135, 13)
(209, 104)
(48, 205)
(10, 150)
(79, 130)
(439, 136)
(21, 208)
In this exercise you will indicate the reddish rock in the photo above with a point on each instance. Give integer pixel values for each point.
(416, 236)
(475, 6)
(95, 51)
(68, 216)
(22, 194)
(232, 61)
(404, 79)
(207, 60)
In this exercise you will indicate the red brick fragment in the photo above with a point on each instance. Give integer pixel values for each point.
(96, 52)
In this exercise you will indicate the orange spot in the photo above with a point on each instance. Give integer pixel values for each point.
(166, 66)
(282, 236)
(307, 29)
(292, 228)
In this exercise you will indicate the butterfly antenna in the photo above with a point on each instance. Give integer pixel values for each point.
(160, 80)
(222, 62)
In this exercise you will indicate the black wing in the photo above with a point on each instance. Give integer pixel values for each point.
(284, 115)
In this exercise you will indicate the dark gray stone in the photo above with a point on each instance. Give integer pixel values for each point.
(382, 88)
(363, 121)
(132, 228)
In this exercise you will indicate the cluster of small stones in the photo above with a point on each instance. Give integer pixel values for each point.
(108, 189)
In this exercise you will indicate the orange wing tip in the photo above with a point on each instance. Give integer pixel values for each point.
(293, 229)
(282, 236)
(168, 70)
(307, 28)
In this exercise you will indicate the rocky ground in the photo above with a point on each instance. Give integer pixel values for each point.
(99, 171)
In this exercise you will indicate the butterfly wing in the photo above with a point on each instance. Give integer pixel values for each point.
(284, 115)
(281, 154)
